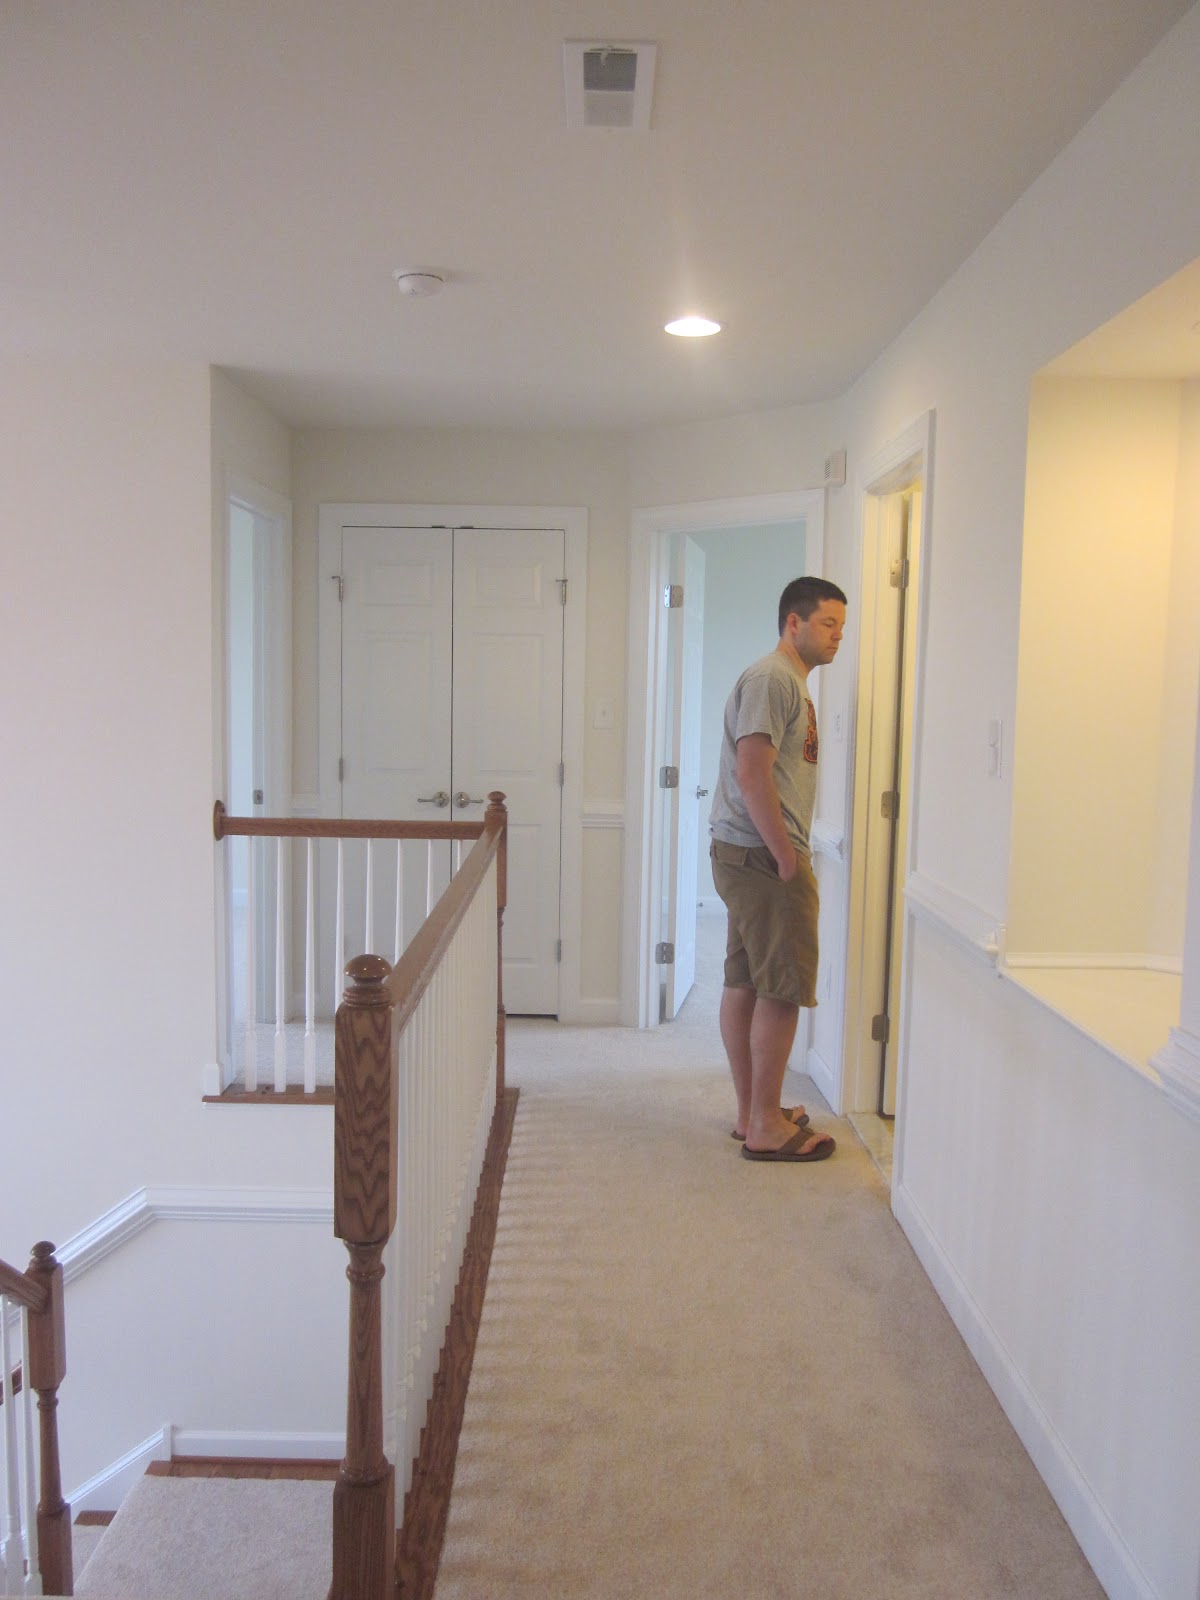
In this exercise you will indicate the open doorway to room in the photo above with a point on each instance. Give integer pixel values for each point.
(894, 535)
(734, 557)
(256, 718)
(1108, 675)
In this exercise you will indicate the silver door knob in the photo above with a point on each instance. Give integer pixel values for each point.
(462, 798)
(700, 793)
(441, 798)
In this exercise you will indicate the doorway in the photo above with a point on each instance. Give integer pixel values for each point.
(667, 831)
(447, 648)
(256, 723)
(894, 533)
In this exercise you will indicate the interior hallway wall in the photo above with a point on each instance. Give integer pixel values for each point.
(1052, 1191)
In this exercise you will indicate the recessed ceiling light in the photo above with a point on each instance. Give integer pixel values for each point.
(693, 327)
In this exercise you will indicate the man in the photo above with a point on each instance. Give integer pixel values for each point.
(760, 822)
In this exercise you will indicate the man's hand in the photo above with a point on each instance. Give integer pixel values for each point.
(756, 757)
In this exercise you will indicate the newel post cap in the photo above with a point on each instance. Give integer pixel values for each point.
(366, 976)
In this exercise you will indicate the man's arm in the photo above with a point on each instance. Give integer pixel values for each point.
(756, 757)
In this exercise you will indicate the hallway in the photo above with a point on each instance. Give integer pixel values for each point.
(699, 1377)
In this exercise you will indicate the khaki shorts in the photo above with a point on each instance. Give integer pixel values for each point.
(772, 943)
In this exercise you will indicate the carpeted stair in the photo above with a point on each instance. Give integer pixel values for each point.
(224, 1538)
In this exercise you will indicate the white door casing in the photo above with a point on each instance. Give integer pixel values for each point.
(683, 820)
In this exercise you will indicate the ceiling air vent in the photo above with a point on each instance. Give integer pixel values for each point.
(608, 85)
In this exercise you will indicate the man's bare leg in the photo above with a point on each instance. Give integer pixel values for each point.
(748, 1022)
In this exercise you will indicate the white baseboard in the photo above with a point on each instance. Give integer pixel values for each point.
(260, 1446)
(1113, 1561)
(822, 1075)
(107, 1489)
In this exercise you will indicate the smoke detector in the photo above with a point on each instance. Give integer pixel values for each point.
(608, 85)
(418, 282)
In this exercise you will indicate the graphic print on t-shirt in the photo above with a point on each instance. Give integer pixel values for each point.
(810, 743)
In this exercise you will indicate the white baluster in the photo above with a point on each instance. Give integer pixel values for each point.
(369, 902)
(310, 975)
(339, 932)
(458, 850)
(428, 876)
(11, 1552)
(399, 900)
(250, 1030)
(33, 1571)
(280, 974)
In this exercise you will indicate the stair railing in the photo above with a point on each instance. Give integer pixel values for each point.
(394, 863)
(419, 1074)
(35, 1522)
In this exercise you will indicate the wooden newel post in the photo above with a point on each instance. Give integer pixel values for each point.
(497, 813)
(364, 1214)
(47, 1369)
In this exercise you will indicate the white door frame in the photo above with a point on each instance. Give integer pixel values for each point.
(650, 535)
(908, 456)
(573, 520)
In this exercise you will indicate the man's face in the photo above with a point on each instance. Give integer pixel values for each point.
(818, 635)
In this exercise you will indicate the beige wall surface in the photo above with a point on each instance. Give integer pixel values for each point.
(464, 467)
(1100, 523)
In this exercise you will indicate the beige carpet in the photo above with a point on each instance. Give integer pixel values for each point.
(225, 1538)
(697, 1376)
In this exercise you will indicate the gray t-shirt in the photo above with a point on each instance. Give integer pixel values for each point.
(772, 698)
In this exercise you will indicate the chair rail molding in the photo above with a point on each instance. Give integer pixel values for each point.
(164, 1203)
(969, 925)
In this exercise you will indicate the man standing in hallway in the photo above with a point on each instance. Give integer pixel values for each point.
(760, 823)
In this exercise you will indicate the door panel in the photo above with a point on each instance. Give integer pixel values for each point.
(684, 820)
(452, 657)
(396, 715)
(508, 656)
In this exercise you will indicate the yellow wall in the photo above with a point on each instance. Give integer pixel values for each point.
(1099, 718)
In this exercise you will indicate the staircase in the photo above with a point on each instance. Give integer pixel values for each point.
(192, 1528)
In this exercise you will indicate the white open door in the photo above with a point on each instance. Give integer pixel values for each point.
(683, 842)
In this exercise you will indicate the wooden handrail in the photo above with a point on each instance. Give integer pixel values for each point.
(17, 1286)
(378, 1003)
(40, 1289)
(340, 827)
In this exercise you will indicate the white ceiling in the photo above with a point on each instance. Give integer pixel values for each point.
(234, 181)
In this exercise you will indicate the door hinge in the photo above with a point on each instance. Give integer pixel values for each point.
(899, 574)
(562, 774)
(664, 954)
(558, 950)
(562, 591)
(673, 596)
(341, 769)
(889, 804)
(336, 577)
(881, 1028)
(668, 777)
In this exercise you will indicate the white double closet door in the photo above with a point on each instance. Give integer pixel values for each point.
(452, 674)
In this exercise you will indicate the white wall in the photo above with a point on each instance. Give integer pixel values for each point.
(107, 695)
(1071, 1260)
